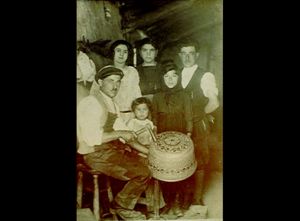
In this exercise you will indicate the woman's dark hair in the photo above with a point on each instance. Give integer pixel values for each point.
(141, 100)
(139, 44)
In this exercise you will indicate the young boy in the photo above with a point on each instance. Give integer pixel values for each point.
(141, 124)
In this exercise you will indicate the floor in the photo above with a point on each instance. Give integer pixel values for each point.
(213, 193)
(212, 199)
(213, 196)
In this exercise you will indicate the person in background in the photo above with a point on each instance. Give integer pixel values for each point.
(172, 112)
(86, 71)
(200, 86)
(99, 130)
(149, 72)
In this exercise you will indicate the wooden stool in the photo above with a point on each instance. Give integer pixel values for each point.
(148, 201)
(152, 199)
(81, 169)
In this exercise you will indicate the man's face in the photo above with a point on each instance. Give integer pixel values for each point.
(110, 85)
(148, 53)
(188, 56)
(120, 54)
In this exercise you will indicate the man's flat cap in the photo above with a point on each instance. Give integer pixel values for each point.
(107, 71)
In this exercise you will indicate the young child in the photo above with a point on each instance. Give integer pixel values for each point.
(141, 124)
(172, 112)
(145, 131)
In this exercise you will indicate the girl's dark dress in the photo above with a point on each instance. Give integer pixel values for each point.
(172, 112)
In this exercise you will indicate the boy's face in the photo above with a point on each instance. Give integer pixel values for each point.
(141, 111)
(171, 79)
(148, 53)
(188, 56)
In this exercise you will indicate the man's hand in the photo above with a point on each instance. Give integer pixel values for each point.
(210, 118)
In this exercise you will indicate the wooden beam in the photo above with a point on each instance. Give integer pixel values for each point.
(159, 14)
(176, 36)
(180, 29)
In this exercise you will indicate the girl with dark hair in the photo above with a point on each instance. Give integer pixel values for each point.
(149, 69)
(172, 107)
(172, 112)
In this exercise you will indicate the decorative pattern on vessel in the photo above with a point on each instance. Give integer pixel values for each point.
(172, 157)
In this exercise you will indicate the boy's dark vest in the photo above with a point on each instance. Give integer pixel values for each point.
(195, 92)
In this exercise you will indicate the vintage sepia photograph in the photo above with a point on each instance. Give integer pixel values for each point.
(149, 110)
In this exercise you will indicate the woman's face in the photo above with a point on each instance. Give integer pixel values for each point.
(171, 78)
(148, 53)
(120, 54)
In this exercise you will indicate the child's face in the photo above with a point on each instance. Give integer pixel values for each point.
(171, 79)
(141, 111)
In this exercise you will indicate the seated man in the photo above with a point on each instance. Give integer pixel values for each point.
(99, 132)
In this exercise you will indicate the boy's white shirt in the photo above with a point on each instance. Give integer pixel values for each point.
(207, 84)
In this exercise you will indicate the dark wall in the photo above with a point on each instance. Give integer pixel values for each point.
(91, 22)
(93, 26)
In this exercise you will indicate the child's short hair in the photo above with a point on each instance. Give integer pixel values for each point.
(141, 100)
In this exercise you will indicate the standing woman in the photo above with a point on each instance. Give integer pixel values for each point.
(129, 88)
(121, 51)
(149, 69)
